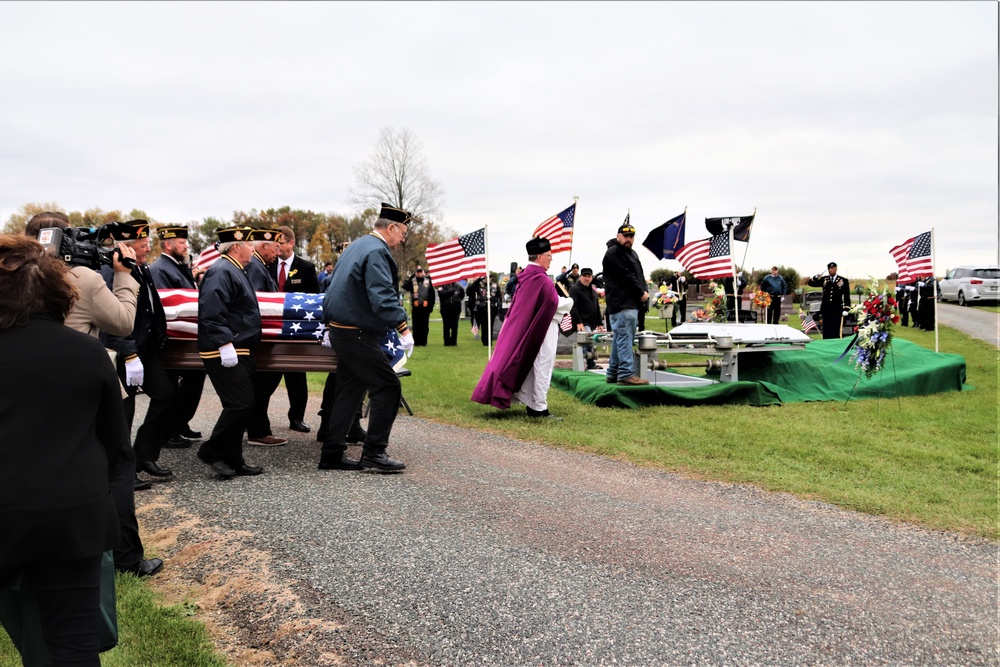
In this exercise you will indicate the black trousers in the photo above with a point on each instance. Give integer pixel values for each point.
(326, 409)
(159, 424)
(450, 319)
(68, 593)
(833, 322)
(264, 384)
(235, 389)
(481, 319)
(129, 551)
(361, 366)
(774, 310)
(421, 323)
(298, 395)
(188, 386)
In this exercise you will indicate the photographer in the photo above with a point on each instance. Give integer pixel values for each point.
(97, 308)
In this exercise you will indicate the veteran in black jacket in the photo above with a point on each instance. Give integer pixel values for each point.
(228, 333)
(586, 312)
(139, 359)
(171, 271)
(292, 273)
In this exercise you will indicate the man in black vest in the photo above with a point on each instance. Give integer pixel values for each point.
(172, 271)
(422, 301)
(292, 273)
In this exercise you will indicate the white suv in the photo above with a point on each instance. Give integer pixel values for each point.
(970, 284)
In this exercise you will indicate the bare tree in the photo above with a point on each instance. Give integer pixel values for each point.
(396, 173)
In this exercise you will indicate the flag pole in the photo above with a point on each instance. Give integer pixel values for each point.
(489, 295)
(732, 270)
(934, 283)
(746, 248)
(576, 199)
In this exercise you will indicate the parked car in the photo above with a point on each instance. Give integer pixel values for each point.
(971, 284)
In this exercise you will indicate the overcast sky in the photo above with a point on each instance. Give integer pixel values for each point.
(850, 126)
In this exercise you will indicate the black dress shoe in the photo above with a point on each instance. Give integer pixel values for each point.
(188, 434)
(381, 462)
(220, 467)
(357, 434)
(249, 470)
(177, 442)
(145, 568)
(142, 484)
(542, 413)
(299, 426)
(341, 462)
(155, 470)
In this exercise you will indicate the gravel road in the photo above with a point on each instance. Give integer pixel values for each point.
(492, 551)
(972, 321)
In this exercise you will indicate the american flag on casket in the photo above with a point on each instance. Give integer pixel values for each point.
(285, 316)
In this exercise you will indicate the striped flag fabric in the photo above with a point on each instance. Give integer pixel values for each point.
(566, 324)
(464, 257)
(284, 315)
(207, 257)
(809, 324)
(913, 257)
(707, 258)
(558, 230)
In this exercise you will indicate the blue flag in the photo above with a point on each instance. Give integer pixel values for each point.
(667, 239)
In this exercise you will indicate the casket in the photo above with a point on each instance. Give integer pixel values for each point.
(269, 356)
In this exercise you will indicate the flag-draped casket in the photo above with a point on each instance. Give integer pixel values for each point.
(291, 331)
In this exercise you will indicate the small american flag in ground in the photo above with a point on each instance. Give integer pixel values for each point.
(558, 230)
(566, 324)
(809, 324)
(913, 257)
(464, 257)
(284, 315)
(707, 258)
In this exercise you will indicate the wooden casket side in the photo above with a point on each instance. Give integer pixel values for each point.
(269, 356)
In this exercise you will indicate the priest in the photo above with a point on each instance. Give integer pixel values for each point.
(521, 367)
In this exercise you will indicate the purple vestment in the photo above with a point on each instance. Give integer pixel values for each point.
(521, 337)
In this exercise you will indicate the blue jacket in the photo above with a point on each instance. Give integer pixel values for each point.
(227, 310)
(362, 292)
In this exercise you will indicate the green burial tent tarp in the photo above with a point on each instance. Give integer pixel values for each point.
(788, 376)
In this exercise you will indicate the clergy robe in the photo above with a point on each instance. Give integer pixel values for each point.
(521, 337)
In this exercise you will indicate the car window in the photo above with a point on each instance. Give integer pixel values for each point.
(987, 273)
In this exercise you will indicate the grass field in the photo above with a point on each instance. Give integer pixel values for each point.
(931, 461)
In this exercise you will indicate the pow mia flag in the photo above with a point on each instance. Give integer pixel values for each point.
(740, 224)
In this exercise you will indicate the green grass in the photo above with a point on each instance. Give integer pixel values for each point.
(151, 634)
(929, 460)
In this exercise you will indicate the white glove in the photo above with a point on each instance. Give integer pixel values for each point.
(406, 342)
(133, 372)
(228, 354)
(326, 339)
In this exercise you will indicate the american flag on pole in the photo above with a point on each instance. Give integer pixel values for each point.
(707, 258)
(464, 257)
(207, 257)
(913, 257)
(284, 315)
(809, 324)
(558, 230)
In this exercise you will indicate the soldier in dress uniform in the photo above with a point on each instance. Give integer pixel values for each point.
(139, 356)
(422, 298)
(836, 300)
(172, 271)
(229, 330)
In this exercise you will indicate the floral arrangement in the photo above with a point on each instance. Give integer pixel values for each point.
(761, 300)
(875, 319)
(664, 298)
(716, 308)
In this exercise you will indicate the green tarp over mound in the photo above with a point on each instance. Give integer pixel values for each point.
(788, 376)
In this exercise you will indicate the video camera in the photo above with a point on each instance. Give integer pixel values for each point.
(84, 246)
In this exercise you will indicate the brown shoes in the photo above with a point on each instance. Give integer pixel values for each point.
(267, 441)
(633, 381)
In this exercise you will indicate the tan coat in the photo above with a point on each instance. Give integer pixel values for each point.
(98, 309)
